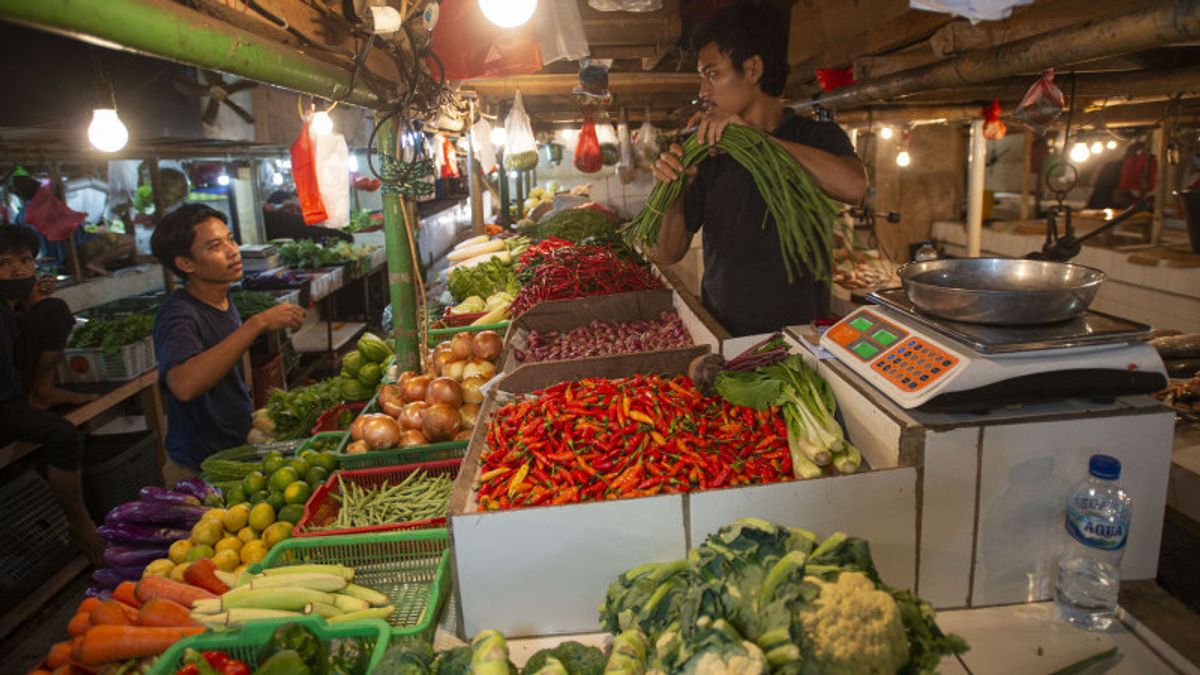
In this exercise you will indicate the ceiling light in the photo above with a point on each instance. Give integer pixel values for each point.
(1097, 148)
(222, 180)
(277, 179)
(321, 123)
(1079, 152)
(106, 132)
(507, 13)
(1111, 145)
(903, 159)
(885, 133)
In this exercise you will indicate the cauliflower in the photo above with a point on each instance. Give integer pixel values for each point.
(852, 628)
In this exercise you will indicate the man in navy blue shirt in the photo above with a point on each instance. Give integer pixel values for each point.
(199, 338)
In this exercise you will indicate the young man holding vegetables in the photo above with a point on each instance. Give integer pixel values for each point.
(199, 338)
(743, 69)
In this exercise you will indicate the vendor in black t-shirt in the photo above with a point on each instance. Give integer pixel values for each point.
(743, 68)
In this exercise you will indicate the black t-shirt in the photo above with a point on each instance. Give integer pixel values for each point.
(745, 282)
(10, 377)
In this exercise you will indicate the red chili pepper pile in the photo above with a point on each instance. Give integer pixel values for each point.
(531, 256)
(599, 439)
(578, 271)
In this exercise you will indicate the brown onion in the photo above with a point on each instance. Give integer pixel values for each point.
(390, 392)
(440, 360)
(469, 414)
(479, 368)
(460, 346)
(413, 437)
(414, 388)
(380, 431)
(356, 427)
(444, 390)
(413, 415)
(441, 422)
(392, 408)
(357, 448)
(464, 435)
(454, 370)
(487, 345)
(404, 378)
(471, 392)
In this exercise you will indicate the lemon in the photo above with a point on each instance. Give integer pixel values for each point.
(253, 551)
(246, 534)
(228, 543)
(227, 560)
(240, 568)
(297, 493)
(261, 516)
(177, 573)
(179, 550)
(276, 533)
(207, 532)
(159, 568)
(215, 515)
(236, 517)
(199, 551)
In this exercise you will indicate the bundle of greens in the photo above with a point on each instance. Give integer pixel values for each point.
(578, 225)
(308, 254)
(110, 334)
(803, 215)
(249, 303)
(295, 412)
(758, 597)
(485, 279)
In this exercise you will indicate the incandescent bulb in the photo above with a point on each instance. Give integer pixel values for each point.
(885, 133)
(1079, 152)
(106, 132)
(321, 123)
(507, 13)
(222, 180)
(1111, 145)
(903, 159)
(1097, 148)
(277, 179)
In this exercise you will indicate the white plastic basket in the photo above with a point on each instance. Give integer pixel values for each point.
(94, 365)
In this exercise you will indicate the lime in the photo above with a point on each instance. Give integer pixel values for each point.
(261, 517)
(276, 500)
(308, 456)
(199, 551)
(235, 495)
(297, 493)
(315, 477)
(292, 513)
(272, 462)
(253, 482)
(300, 466)
(285, 477)
(327, 460)
(258, 497)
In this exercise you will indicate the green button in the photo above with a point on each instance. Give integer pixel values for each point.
(865, 350)
(862, 324)
(884, 337)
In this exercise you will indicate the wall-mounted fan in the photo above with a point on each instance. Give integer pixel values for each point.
(218, 92)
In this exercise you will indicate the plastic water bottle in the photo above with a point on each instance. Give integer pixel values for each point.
(1089, 569)
(926, 252)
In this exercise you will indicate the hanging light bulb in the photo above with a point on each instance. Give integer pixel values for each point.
(886, 133)
(223, 180)
(276, 179)
(352, 162)
(507, 13)
(106, 132)
(1111, 145)
(903, 159)
(1079, 152)
(321, 123)
(1097, 148)
(498, 137)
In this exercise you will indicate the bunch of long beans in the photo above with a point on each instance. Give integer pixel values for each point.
(418, 497)
(803, 214)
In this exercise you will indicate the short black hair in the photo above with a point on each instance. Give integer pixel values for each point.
(14, 238)
(174, 234)
(747, 29)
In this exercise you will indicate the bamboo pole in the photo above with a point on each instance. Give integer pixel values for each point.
(975, 184)
(1026, 175)
(1162, 136)
(400, 256)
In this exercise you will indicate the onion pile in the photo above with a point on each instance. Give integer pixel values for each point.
(601, 338)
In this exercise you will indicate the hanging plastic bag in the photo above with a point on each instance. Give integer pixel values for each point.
(626, 5)
(449, 159)
(627, 164)
(520, 149)
(559, 31)
(646, 143)
(587, 149)
(1043, 103)
(481, 138)
(332, 159)
(606, 135)
(593, 80)
(993, 128)
(304, 173)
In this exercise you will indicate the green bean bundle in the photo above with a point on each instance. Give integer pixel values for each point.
(417, 497)
(803, 214)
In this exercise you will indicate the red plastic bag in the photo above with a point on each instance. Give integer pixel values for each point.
(54, 219)
(588, 157)
(1043, 103)
(304, 171)
(468, 45)
(1138, 173)
(993, 128)
(835, 78)
(449, 159)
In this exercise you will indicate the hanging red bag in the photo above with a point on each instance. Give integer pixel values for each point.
(304, 171)
(468, 45)
(588, 157)
(993, 128)
(449, 159)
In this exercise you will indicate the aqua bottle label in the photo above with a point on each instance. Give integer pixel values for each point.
(1096, 531)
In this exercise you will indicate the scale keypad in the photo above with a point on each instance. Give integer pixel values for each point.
(914, 364)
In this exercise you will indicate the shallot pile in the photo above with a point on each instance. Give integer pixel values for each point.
(601, 338)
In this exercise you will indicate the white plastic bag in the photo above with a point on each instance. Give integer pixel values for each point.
(333, 176)
(626, 5)
(559, 31)
(520, 148)
(626, 164)
(974, 10)
(606, 134)
(646, 144)
(481, 138)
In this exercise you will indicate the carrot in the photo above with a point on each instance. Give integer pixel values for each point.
(126, 592)
(89, 604)
(202, 574)
(162, 587)
(39, 671)
(80, 623)
(60, 654)
(109, 613)
(103, 644)
(164, 612)
(64, 669)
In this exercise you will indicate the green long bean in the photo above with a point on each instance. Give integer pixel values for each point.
(418, 497)
(803, 215)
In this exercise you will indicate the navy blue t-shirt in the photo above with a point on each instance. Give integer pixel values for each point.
(10, 377)
(220, 417)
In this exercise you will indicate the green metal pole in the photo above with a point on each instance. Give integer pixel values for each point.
(400, 267)
(172, 31)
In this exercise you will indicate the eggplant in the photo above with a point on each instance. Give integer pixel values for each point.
(155, 513)
(98, 592)
(161, 494)
(108, 577)
(125, 556)
(134, 535)
(201, 490)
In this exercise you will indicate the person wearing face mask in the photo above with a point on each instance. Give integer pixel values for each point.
(199, 338)
(25, 330)
(743, 68)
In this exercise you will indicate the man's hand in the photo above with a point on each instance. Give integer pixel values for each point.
(712, 125)
(42, 289)
(284, 315)
(669, 165)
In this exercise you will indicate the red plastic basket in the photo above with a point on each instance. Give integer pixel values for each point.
(321, 509)
(328, 421)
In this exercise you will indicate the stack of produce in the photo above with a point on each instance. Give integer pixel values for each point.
(417, 497)
(488, 653)
(292, 649)
(580, 225)
(110, 334)
(602, 338)
(757, 597)
(599, 439)
(477, 311)
(274, 478)
(578, 271)
(293, 591)
(476, 251)
(137, 533)
(228, 540)
(441, 405)
(308, 254)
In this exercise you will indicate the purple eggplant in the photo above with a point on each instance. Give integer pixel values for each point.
(125, 556)
(207, 494)
(161, 494)
(98, 592)
(108, 577)
(134, 535)
(155, 513)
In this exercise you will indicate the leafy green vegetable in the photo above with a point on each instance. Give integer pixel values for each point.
(577, 225)
(308, 254)
(348, 656)
(296, 637)
(112, 334)
(573, 657)
(484, 279)
(456, 661)
(249, 303)
(295, 412)
(408, 656)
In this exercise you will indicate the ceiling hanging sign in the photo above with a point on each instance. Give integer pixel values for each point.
(974, 10)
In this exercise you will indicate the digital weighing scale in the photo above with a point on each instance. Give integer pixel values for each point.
(934, 365)
(259, 257)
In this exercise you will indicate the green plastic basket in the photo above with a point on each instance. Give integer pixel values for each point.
(244, 643)
(420, 453)
(341, 438)
(436, 335)
(411, 567)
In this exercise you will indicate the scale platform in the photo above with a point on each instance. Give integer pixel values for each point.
(935, 365)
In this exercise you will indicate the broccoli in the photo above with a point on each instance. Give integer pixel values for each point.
(408, 656)
(575, 658)
(455, 661)
(852, 627)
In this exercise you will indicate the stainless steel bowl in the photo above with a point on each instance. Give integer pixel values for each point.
(1000, 291)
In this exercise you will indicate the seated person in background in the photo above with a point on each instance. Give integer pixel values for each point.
(283, 219)
(22, 328)
(102, 251)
